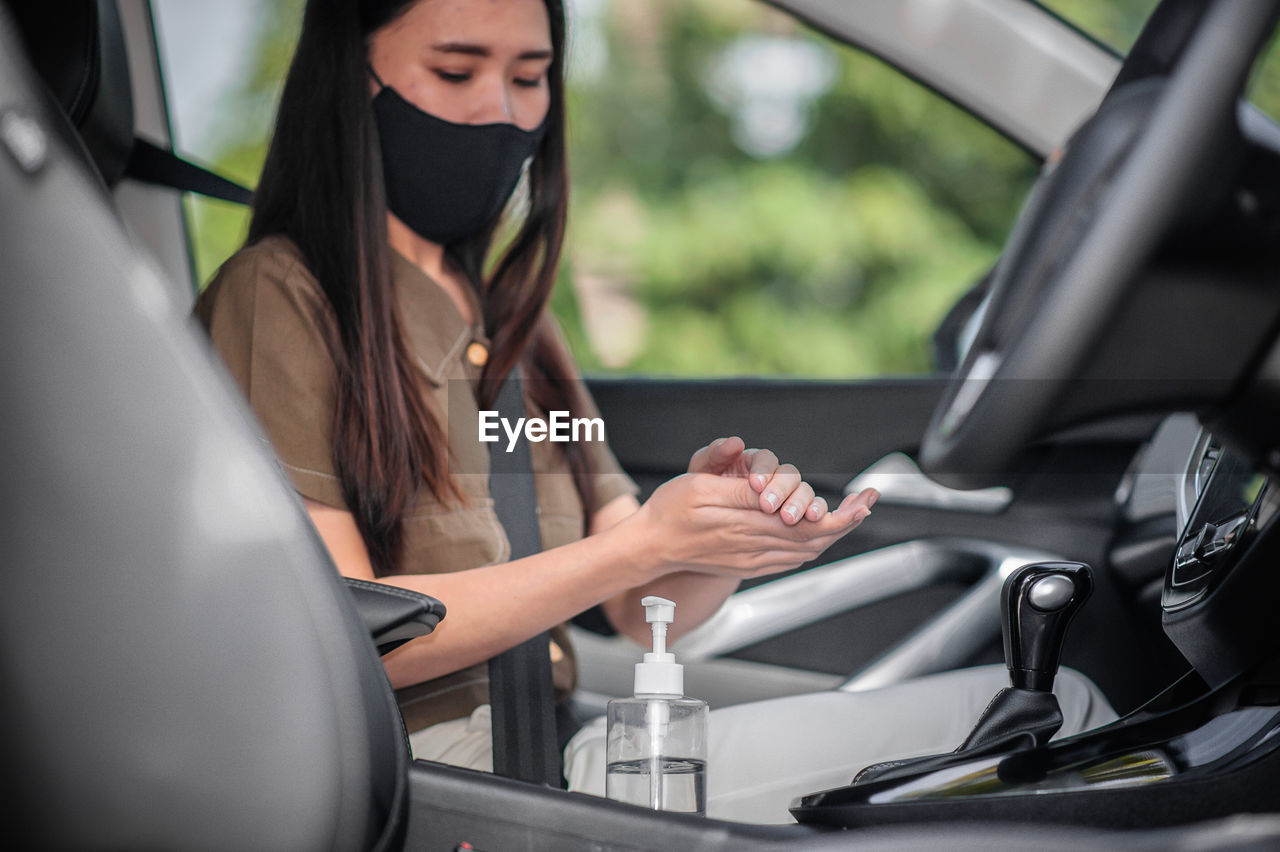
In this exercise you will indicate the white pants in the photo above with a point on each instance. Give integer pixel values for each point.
(762, 755)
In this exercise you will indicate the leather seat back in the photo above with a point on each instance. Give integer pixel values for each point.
(180, 666)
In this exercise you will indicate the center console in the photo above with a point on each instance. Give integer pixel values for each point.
(1204, 748)
(1221, 589)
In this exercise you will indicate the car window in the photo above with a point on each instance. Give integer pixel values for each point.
(1115, 24)
(223, 65)
(749, 197)
(1264, 85)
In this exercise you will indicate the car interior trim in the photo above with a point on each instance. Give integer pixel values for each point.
(1027, 73)
(898, 479)
(761, 612)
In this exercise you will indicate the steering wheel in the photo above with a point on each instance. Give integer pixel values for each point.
(1092, 221)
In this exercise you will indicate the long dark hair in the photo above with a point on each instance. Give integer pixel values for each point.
(322, 186)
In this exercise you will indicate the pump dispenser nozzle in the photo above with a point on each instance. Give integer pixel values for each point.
(659, 612)
(659, 674)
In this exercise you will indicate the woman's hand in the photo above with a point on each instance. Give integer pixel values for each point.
(713, 524)
(779, 486)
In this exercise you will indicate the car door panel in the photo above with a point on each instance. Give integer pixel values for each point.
(1062, 506)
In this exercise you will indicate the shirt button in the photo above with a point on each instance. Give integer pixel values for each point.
(477, 354)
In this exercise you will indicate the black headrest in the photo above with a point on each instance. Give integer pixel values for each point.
(77, 47)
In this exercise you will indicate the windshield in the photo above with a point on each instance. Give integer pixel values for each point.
(1117, 24)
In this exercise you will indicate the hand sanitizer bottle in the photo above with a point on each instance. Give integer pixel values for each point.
(657, 741)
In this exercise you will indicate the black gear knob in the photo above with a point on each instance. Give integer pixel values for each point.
(1036, 605)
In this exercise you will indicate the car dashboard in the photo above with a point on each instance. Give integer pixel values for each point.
(1223, 502)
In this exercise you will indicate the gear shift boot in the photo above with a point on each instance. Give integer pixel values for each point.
(1019, 718)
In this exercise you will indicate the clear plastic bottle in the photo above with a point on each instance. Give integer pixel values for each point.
(656, 751)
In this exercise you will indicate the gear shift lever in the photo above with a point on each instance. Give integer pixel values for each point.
(1036, 605)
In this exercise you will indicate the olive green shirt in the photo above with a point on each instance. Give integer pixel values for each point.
(270, 321)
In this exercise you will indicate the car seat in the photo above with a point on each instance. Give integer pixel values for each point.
(181, 665)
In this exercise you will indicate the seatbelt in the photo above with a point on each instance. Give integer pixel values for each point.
(521, 694)
(150, 163)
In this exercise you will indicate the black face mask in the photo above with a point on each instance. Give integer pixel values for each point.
(447, 181)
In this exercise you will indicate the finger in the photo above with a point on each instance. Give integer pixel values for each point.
(776, 531)
(795, 506)
(730, 492)
(718, 456)
(762, 525)
(763, 464)
(852, 511)
(727, 453)
(866, 498)
(817, 509)
(785, 480)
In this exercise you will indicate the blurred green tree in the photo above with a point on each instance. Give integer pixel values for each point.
(835, 255)
(1115, 24)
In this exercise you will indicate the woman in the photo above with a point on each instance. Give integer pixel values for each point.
(361, 310)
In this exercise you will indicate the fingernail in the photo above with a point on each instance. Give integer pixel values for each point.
(871, 501)
(861, 514)
(758, 479)
(771, 499)
(792, 512)
(719, 442)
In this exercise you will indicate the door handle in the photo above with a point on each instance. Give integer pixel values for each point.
(898, 479)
